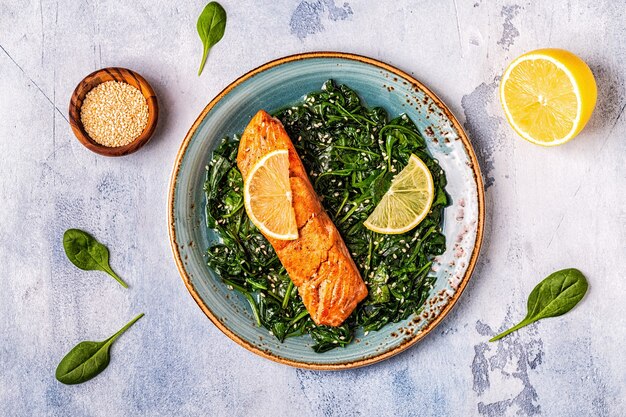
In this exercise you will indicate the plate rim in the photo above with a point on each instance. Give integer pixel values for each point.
(407, 342)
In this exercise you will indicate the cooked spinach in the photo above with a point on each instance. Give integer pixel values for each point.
(554, 296)
(87, 359)
(84, 251)
(211, 25)
(351, 153)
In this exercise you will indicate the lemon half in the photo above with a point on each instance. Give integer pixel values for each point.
(548, 96)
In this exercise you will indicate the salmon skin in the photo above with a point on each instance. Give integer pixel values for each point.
(318, 261)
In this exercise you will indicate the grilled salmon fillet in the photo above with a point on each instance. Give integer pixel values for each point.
(318, 261)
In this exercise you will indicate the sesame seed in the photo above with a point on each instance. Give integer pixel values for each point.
(114, 113)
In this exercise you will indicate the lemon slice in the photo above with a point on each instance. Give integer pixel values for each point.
(407, 201)
(548, 96)
(267, 196)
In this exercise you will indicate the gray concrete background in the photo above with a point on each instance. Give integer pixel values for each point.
(547, 209)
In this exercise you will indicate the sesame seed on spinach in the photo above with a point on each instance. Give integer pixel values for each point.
(351, 153)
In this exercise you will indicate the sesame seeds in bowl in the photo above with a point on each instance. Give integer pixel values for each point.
(113, 111)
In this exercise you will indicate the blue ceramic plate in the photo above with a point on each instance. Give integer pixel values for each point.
(272, 87)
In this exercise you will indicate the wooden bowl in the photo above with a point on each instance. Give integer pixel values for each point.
(101, 76)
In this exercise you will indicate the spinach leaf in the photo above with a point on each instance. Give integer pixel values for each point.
(87, 253)
(351, 153)
(88, 359)
(211, 25)
(554, 296)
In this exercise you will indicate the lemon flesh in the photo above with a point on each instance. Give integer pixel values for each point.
(406, 203)
(268, 199)
(548, 96)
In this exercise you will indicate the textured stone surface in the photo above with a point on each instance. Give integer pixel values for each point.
(547, 209)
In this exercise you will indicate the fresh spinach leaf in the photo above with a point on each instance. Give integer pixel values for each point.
(87, 359)
(211, 25)
(84, 251)
(554, 296)
(351, 153)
